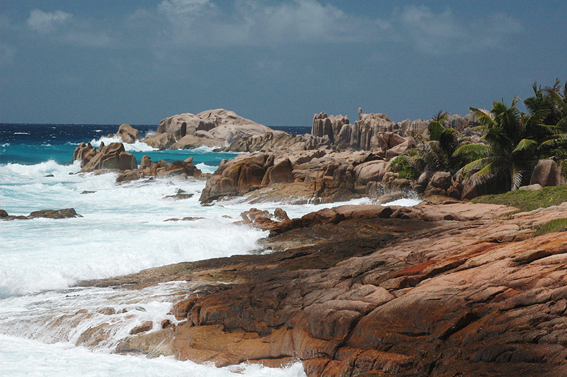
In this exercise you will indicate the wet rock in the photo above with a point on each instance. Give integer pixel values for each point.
(180, 195)
(453, 289)
(55, 213)
(144, 327)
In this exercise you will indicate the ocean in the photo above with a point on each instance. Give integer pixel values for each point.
(122, 229)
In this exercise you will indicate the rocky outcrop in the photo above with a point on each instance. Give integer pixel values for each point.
(128, 134)
(110, 157)
(365, 134)
(298, 177)
(45, 213)
(160, 141)
(211, 128)
(455, 290)
(161, 169)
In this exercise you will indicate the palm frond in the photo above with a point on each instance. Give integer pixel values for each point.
(473, 151)
(525, 145)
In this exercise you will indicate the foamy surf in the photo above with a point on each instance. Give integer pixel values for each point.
(23, 357)
(136, 146)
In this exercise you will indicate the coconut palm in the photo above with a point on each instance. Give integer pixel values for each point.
(437, 149)
(511, 145)
(432, 153)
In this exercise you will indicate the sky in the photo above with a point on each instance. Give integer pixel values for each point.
(275, 62)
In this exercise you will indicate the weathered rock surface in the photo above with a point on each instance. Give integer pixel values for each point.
(211, 128)
(455, 290)
(547, 173)
(302, 176)
(107, 157)
(128, 134)
(161, 169)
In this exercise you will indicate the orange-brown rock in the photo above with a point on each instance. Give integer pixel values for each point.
(452, 289)
(162, 169)
(297, 177)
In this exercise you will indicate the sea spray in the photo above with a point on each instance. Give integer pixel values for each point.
(22, 357)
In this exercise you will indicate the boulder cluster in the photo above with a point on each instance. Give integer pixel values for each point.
(304, 176)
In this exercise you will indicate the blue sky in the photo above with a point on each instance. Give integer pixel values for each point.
(275, 62)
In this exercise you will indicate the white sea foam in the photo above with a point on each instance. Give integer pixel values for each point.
(22, 133)
(137, 146)
(22, 357)
(206, 168)
(123, 229)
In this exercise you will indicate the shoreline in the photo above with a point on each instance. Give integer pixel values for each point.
(417, 291)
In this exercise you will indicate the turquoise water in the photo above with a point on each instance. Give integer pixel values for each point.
(36, 143)
(123, 229)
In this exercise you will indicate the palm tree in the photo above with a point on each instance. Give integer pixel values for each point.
(437, 149)
(432, 153)
(511, 145)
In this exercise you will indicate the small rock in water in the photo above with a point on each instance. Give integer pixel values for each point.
(179, 196)
(55, 213)
(144, 327)
(185, 219)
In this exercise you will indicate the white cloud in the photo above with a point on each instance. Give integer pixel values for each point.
(253, 22)
(205, 23)
(437, 33)
(46, 22)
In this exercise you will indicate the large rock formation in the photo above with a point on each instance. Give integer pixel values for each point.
(434, 290)
(161, 169)
(365, 134)
(299, 177)
(212, 128)
(107, 157)
(128, 134)
(547, 173)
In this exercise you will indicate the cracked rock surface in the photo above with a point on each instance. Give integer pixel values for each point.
(433, 290)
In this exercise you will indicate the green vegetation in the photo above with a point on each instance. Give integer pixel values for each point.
(511, 143)
(527, 200)
(407, 166)
(557, 225)
(433, 153)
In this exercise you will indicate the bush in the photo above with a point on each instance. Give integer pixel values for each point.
(402, 166)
